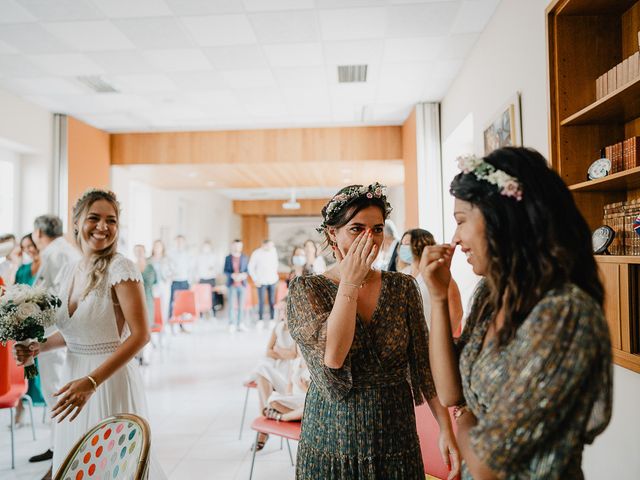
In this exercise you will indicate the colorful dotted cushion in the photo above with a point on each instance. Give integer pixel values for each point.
(112, 452)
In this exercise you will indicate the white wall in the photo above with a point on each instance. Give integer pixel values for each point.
(510, 56)
(27, 130)
(150, 213)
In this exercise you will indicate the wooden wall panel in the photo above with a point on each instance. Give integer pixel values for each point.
(308, 208)
(610, 276)
(88, 160)
(254, 231)
(257, 146)
(410, 157)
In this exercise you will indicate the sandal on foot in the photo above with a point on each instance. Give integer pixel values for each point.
(259, 445)
(272, 414)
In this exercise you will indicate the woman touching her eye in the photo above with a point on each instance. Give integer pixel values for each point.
(363, 336)
(103, 324)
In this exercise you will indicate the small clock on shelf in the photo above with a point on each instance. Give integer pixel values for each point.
(601, 239)
(599, 169)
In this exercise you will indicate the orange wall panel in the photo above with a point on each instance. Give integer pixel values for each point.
(89, 159)
(410, 157)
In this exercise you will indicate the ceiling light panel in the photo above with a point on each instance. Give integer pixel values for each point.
(31, 38)
(96, 83)
(237, 57)
(204, 7)
(67, 64)
(178, 60)
(352, 73)
(217, 30)
(133, 8)
(294, 54)
(155, 32)
(350, 24)
(12, 12)
(61, 10)
(290, 26)
(421, 19)
(90, 36)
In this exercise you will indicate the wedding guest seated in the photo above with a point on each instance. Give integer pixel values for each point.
(412, 246)
(289, 406)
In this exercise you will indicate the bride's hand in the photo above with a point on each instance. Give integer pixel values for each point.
(22, 353)
(75, 395)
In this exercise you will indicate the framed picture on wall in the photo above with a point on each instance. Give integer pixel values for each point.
(505, 128)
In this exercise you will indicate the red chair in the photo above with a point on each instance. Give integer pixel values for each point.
(204, 297)
(18, 387)
(286, 430)
(428, 432)
(158, 321)
(184, 307)
(248, 386)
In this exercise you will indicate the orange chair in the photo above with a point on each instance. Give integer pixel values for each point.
(428, 432)
(286, 430)
(184, 307)
(248, 386)
(18, 387)
(204, 297)
(158, 321)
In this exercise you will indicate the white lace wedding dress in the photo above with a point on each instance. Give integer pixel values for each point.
(92, 336)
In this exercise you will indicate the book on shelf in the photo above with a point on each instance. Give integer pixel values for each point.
(620, 216)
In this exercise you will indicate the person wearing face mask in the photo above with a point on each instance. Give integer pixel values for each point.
(298, 264)
(364, 339)
(412, 245)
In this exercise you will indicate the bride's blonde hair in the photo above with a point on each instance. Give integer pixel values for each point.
(99, 261)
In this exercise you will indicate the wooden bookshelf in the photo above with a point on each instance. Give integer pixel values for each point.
(586, 38)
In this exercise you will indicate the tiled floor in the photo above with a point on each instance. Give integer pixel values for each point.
(195, 395)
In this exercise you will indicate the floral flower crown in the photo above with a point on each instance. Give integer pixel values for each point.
(342, 199)
(482, 170)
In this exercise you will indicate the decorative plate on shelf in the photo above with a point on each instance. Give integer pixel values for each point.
(602, 238)
(599, 169)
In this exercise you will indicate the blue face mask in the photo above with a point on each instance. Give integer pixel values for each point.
(299, 260)
(405, 254)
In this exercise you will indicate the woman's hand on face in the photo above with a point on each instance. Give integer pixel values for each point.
(435, 268)
(450, 453)
(73, 397)
(356, 263)
(25, 352)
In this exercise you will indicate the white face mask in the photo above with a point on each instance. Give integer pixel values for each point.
(26, 259)
(405, 254)
(299, 260)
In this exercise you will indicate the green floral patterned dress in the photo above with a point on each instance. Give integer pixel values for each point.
(359, 420)
(545, 394)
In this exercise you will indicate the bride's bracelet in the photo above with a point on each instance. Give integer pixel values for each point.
(95, 384)
(350, 284)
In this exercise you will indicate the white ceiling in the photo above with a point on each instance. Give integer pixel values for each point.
(227, 64)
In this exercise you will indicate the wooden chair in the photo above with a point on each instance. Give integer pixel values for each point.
(286, 430)
(116, 448)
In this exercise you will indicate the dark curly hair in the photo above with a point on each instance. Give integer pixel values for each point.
(533, 245)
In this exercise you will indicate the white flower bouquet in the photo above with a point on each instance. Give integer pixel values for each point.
(25, 313)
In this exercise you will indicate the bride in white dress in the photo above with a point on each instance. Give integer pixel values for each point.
(103, 323)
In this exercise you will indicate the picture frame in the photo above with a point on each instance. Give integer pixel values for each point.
(505, 128)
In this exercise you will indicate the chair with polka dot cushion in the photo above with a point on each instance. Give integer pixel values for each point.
(117, 448)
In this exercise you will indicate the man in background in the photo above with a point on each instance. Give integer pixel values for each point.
(181, 270)
(263, 269)
(235, 268)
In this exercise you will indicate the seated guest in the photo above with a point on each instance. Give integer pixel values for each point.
(289, 407)
(412, 246)
(531, 375)
(273, 372)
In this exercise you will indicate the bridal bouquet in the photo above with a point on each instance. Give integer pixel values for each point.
(25, 313)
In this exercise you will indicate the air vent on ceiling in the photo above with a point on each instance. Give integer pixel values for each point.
(97, 84)
(352, 73)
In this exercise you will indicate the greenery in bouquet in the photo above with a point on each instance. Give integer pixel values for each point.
(25, 313)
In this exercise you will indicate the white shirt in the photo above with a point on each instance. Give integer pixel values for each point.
(319, 265)
(181, 265)
(263, 266)
(57, 260)
(424, 293)
(207, 266)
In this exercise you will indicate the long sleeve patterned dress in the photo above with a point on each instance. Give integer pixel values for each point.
(545, 394)
(359, 420)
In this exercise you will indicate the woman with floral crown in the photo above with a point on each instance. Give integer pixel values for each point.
(363, 336)
(103, 324)
(530, 377)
